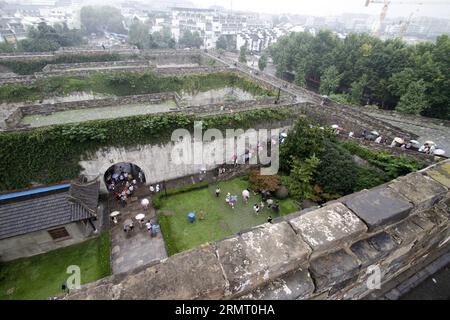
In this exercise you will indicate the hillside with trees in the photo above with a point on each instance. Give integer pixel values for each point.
(362, 69)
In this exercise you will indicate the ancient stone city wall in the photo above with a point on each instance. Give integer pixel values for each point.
(156, 160)
(319, 253)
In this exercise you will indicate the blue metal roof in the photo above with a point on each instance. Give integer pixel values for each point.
(33, 191)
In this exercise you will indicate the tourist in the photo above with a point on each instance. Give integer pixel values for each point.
(148, 225)
(145, 203)
(378, 140)
(269, 202)
(134, 182)
(245, 195)
(269, 219)
(350, 134)
(276, 207)
(261, 205)
(157, 188)
(234, 158)
(363, 135)
(217, 192)
(256, 208)
(201, 215)
(228, 198)
(131, 189)
(141, 177)
(123, 201)
(152, 189)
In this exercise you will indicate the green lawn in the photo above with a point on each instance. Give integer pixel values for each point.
(41, 276)
(220, 222)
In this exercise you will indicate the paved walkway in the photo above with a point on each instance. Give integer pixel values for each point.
(136, 248)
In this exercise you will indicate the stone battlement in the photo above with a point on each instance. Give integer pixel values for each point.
(321, 253)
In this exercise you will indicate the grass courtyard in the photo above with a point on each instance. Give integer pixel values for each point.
(220, 219)
(41, 276)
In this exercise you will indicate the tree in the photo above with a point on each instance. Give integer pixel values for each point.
(162, 40)
(242, 54)
(300, 180)
(414, 100)
(222, 43)
(303, 141)
(263, 182)
(357, 89)
(47, 38)
(338, 173)
(262, 62)
(138, 35)
(190, 39)
(329, 81)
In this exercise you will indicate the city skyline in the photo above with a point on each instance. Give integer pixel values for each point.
(428, 8)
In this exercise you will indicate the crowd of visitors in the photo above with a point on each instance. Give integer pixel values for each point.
(122, 185)
(266, 199)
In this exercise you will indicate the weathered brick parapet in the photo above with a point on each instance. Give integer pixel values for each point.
(322, 253)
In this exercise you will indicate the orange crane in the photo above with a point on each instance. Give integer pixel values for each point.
(385, 8)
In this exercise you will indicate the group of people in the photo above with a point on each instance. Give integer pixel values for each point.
(155, 189)
(429, 147)
(122, 185)
(231, 200)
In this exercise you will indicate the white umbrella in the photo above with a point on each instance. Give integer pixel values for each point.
(439, 152)
(430, 143)
(283, 134)
(414, 142)
(335, 126)
(375, 133)
(145, 202)
(399, 140)
(114, 214)
(140, 216)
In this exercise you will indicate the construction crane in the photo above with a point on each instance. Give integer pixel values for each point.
(385, 8)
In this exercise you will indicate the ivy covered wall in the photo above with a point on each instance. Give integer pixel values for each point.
(52, 154)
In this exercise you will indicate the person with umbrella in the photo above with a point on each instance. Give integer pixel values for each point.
(245, 195)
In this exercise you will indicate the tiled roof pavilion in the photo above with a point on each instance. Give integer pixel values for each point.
(40, 211)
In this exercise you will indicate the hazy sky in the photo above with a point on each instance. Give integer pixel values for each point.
(432, 8)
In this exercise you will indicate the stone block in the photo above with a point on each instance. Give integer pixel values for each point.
(421, 190)
(441, 173)
(374, 248)
(379, 207)
(194, 274)
(297, 285)
(406, 231)
(328, 227)
(332, 269)
(260, 255)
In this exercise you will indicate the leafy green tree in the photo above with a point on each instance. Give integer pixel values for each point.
(190, 39)
(138, 35)
(262, 62)
(338, 174)
(329, 81)
(303, 141)
(414, 99)
(300, 180)
(242, 54)
(162, 40)
(222, 43)
(357, 89)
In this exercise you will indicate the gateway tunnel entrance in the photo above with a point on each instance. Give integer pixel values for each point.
(123, 180)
